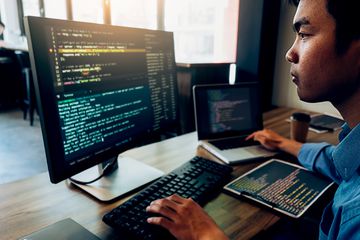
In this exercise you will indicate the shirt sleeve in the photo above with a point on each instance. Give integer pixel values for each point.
(317, 157)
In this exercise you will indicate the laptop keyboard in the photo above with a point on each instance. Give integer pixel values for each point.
(231, 143)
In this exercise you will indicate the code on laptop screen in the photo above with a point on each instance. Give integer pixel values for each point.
(229, 110)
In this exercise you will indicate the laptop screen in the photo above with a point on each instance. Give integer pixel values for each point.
(227, 110)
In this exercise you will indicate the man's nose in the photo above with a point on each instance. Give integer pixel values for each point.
(291, 55)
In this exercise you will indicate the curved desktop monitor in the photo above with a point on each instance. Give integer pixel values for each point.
(100, 89)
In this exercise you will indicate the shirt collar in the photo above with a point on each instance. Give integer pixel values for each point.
(347, 153)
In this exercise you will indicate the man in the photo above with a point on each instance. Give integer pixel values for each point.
(325, 64)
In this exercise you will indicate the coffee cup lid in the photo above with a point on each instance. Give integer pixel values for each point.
(302, 117)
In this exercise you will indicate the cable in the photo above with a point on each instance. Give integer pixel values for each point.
(107, 169)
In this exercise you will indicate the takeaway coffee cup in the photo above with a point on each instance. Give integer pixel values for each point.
(299, 126)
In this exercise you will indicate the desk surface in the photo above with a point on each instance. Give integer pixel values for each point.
(31, 204)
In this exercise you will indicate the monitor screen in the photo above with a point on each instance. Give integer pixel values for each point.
(100, 89)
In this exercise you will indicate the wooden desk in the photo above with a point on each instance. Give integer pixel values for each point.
(33, 203)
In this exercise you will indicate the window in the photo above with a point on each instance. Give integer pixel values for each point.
(205, 30)
(88, 11)
(134, 13)
(55, 9)
(31, 8)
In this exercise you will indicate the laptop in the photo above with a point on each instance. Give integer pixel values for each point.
(225, 115)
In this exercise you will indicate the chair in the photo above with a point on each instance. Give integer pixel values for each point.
(28, 101)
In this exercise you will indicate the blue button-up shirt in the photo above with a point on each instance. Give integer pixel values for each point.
(341, 163)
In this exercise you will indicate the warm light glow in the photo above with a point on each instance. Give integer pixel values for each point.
(134, 13)
(205, 30)
(88, 10)
(55, 9)
(31, 7)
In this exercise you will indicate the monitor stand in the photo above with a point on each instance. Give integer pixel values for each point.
(130, 175)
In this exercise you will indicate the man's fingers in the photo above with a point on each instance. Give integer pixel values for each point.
(266, 142)
(260, 139)
(161, 221)
(256, 135)
(166, 202)
(250, 136)
(176, 198)
(163, 210)
(266, 136)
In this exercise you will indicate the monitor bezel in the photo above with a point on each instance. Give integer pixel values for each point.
(47, 108)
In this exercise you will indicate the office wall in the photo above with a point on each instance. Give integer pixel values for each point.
(284, 90)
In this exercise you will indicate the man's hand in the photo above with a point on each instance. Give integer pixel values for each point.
(184, 219)
(273, 141)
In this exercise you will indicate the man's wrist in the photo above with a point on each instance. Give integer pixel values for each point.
(290, 146)
(213, 233)
(218, 234)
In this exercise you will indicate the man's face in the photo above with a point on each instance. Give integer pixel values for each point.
(319, 73)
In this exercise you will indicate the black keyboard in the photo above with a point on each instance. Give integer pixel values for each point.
(199, 178)
(230, 143)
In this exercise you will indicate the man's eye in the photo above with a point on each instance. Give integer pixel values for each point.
(302, 35)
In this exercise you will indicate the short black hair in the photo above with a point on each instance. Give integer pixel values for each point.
(2, 24)
(346, 15)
